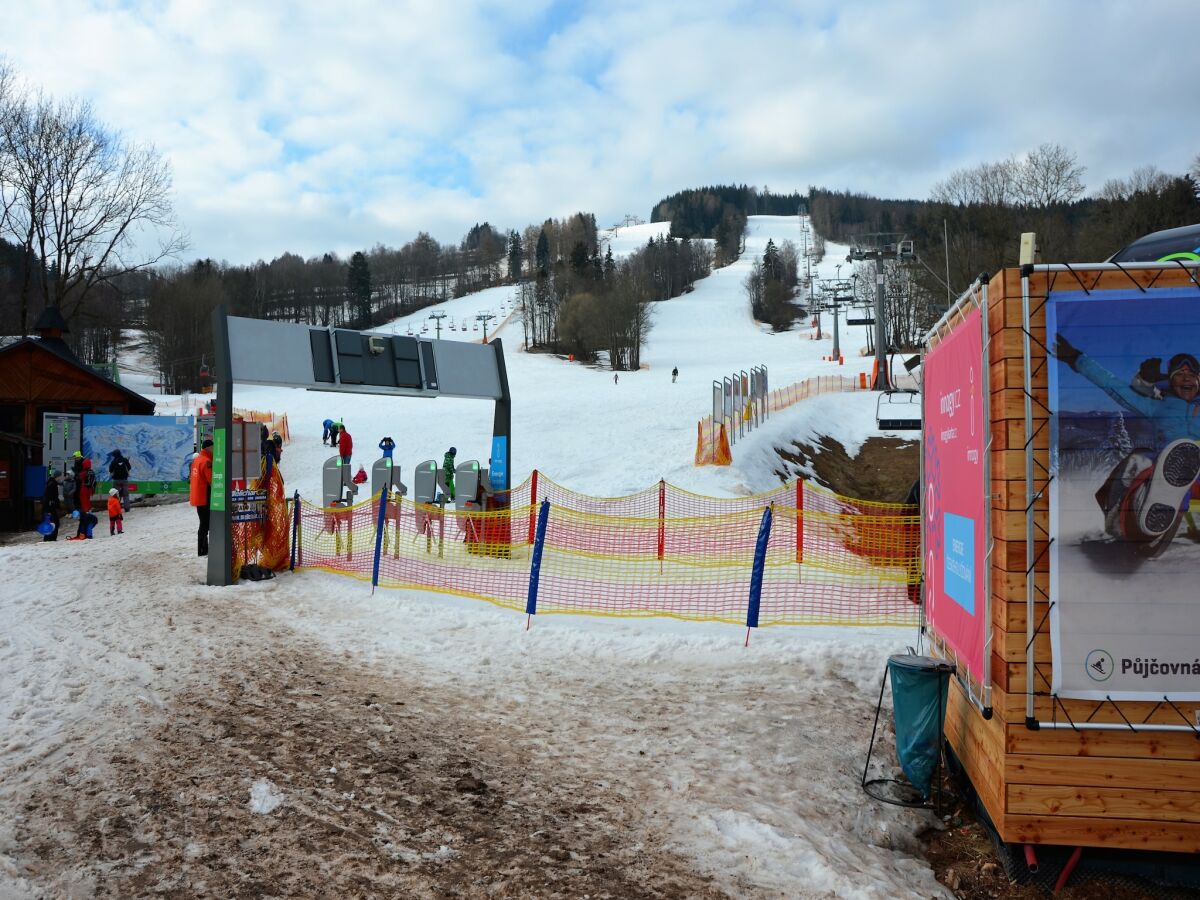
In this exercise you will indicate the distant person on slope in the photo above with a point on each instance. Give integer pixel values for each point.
(325, 426)
(345, 444)
(674, 374)
(200, 493)
(333, 432)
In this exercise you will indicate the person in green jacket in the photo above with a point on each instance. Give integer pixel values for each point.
(448, 471)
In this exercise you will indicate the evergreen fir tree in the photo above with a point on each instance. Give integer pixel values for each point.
(358, 280)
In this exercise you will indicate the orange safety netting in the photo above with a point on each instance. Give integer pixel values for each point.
(659, 552)
(273, 422)
(265, 542)
(712, 443)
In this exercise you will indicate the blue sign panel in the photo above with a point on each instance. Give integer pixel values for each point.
(958, 573)
(498, 468)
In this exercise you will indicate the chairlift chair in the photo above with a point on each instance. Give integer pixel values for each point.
(899, 410)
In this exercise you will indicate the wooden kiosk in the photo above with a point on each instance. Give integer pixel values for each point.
(1108, 773)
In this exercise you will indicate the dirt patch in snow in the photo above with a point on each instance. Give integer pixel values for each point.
(883, 470)
(308, 777)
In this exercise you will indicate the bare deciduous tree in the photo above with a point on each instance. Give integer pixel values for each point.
(1048, 176)
(83, 202)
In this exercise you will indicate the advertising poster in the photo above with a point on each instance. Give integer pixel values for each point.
(1124, 392)
(158, 448)
(953, 509)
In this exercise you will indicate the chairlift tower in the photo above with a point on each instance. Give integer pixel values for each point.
(483, 319)
(877, 248)
(437, 319)
(834, 294)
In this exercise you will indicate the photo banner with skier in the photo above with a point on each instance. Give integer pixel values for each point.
(954, 511)
(1124, 391)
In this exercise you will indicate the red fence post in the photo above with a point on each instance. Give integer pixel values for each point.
(532, 505)
(799, 520)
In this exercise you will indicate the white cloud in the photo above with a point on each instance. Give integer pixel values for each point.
(313, 126)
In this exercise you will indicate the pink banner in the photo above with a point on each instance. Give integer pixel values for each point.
(953, 511)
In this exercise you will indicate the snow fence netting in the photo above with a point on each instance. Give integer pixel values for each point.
(659, 552)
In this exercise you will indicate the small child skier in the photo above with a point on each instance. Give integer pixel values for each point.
(116, 518)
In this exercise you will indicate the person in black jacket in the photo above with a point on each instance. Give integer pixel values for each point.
(118, 471)
(77, 471)
(51, 504)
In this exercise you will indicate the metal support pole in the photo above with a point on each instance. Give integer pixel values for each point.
(837, 349)
(220, 542)
(1030, 619)
(881, 374)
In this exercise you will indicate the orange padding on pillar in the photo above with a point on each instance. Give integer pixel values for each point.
(722, 456)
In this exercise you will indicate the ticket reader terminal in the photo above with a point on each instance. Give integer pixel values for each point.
(337, 486)
(385, 478)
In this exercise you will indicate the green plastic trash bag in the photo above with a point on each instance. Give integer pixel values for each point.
(920, 685)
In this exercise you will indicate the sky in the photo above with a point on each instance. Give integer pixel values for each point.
(312, 126)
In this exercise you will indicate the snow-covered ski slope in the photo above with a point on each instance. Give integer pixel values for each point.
(746, 760)
(573, 423)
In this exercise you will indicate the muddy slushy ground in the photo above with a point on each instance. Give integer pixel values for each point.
(385, 793)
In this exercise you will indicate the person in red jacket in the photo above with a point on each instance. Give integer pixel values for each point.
(87, 487)
(200, 493)
(115, 517)
(345, 444)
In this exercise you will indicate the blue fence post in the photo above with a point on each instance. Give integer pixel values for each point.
(295, 529)
(383, 503)
(535, 568)
(756, 574)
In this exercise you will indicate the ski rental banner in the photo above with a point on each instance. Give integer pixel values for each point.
(956, 426)
(158, 448)
(1125, 416)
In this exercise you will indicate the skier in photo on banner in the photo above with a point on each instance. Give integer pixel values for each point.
(1146, 494)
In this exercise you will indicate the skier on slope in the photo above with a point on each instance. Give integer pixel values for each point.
(1143, 495)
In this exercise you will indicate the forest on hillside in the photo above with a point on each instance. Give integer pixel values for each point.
(87, 225)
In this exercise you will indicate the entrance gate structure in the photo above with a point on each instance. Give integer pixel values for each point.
(287, 354)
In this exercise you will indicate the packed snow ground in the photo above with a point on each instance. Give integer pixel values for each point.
(737, 766)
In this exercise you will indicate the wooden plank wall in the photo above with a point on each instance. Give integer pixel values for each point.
(1088, 788)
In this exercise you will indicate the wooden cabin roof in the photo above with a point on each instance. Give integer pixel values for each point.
(37, 371)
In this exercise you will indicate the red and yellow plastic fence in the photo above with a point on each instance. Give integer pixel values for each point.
(660, 552)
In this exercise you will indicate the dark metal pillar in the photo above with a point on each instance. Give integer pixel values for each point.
(220, 539)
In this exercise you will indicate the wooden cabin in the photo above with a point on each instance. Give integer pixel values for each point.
(41, 375)
(1086, 773)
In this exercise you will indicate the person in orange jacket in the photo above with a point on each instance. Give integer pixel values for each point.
(115, 518)
(200, 493)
